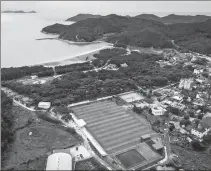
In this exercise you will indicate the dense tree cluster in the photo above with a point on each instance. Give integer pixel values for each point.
(73, 67)
(77, 86)
(6, 122)
(18, 72)
(41, 71)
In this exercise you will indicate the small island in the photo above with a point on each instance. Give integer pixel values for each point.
(19, 11)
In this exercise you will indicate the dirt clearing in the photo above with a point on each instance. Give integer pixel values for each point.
(33, 140)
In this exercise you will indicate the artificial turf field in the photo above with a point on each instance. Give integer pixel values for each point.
(111, 125)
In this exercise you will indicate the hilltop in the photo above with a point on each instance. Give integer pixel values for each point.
(134, 31)
(173, 19)
(80, 17)
(20, 11)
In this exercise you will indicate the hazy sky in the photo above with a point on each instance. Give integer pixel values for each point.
(70, 8)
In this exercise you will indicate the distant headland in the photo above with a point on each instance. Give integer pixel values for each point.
(19, 11)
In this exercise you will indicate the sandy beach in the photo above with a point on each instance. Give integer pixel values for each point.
(84, 57)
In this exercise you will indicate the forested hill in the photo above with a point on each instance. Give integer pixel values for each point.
(80, 17)
(138, 32)
(172, 19)
(169, 19)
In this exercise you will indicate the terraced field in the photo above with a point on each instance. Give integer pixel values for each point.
(111, 125)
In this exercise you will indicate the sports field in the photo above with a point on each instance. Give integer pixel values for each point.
(130, 158)
(113, 128)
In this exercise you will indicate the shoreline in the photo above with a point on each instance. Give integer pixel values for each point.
(81, 58)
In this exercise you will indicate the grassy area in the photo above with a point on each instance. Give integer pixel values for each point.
(90, 164)
(30, 151)
(192, 160)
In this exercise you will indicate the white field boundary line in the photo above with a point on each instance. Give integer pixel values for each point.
(20, 104)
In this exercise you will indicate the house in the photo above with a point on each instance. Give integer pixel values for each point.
(124, 65)
(157, 110)
(176, 124)
(178, 105)
(145, 137)
(199, 102)
(142, 105)
(202, 129)
(157, 146)
(80, 122)
(198, 71)
(186, 83)
(189, 139)
(207, 115)
(59, 161)
(44, 105)
(199, 133)
(34, 77)
(111, 67)
(183, 131)
(178, 98)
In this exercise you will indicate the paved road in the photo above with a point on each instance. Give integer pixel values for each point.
(22, 105)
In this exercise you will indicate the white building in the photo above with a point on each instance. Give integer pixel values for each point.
(199, 133)
(111, 67)
(186, 83)
(59, 161)
(198, 71)
(124, 65)
(44, 105)
(178, 105)
(178, 98)
(34, 77)
(80, 122)
(157, 110)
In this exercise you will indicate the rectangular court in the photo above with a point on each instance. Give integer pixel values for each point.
(111, 125)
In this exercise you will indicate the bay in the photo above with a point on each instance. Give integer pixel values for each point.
(19, 46)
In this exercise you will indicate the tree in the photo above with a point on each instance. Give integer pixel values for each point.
(171, 127)
(185, 122)
(185, 98)
(197, 122)
(200, 116)
(150, 110)
(7, 120)
(67, 117)
(197, 145)
(62, 109)
(174, 110)
(191, 113)
(186, 116)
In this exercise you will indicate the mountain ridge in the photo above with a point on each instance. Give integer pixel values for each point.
(134, 31)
